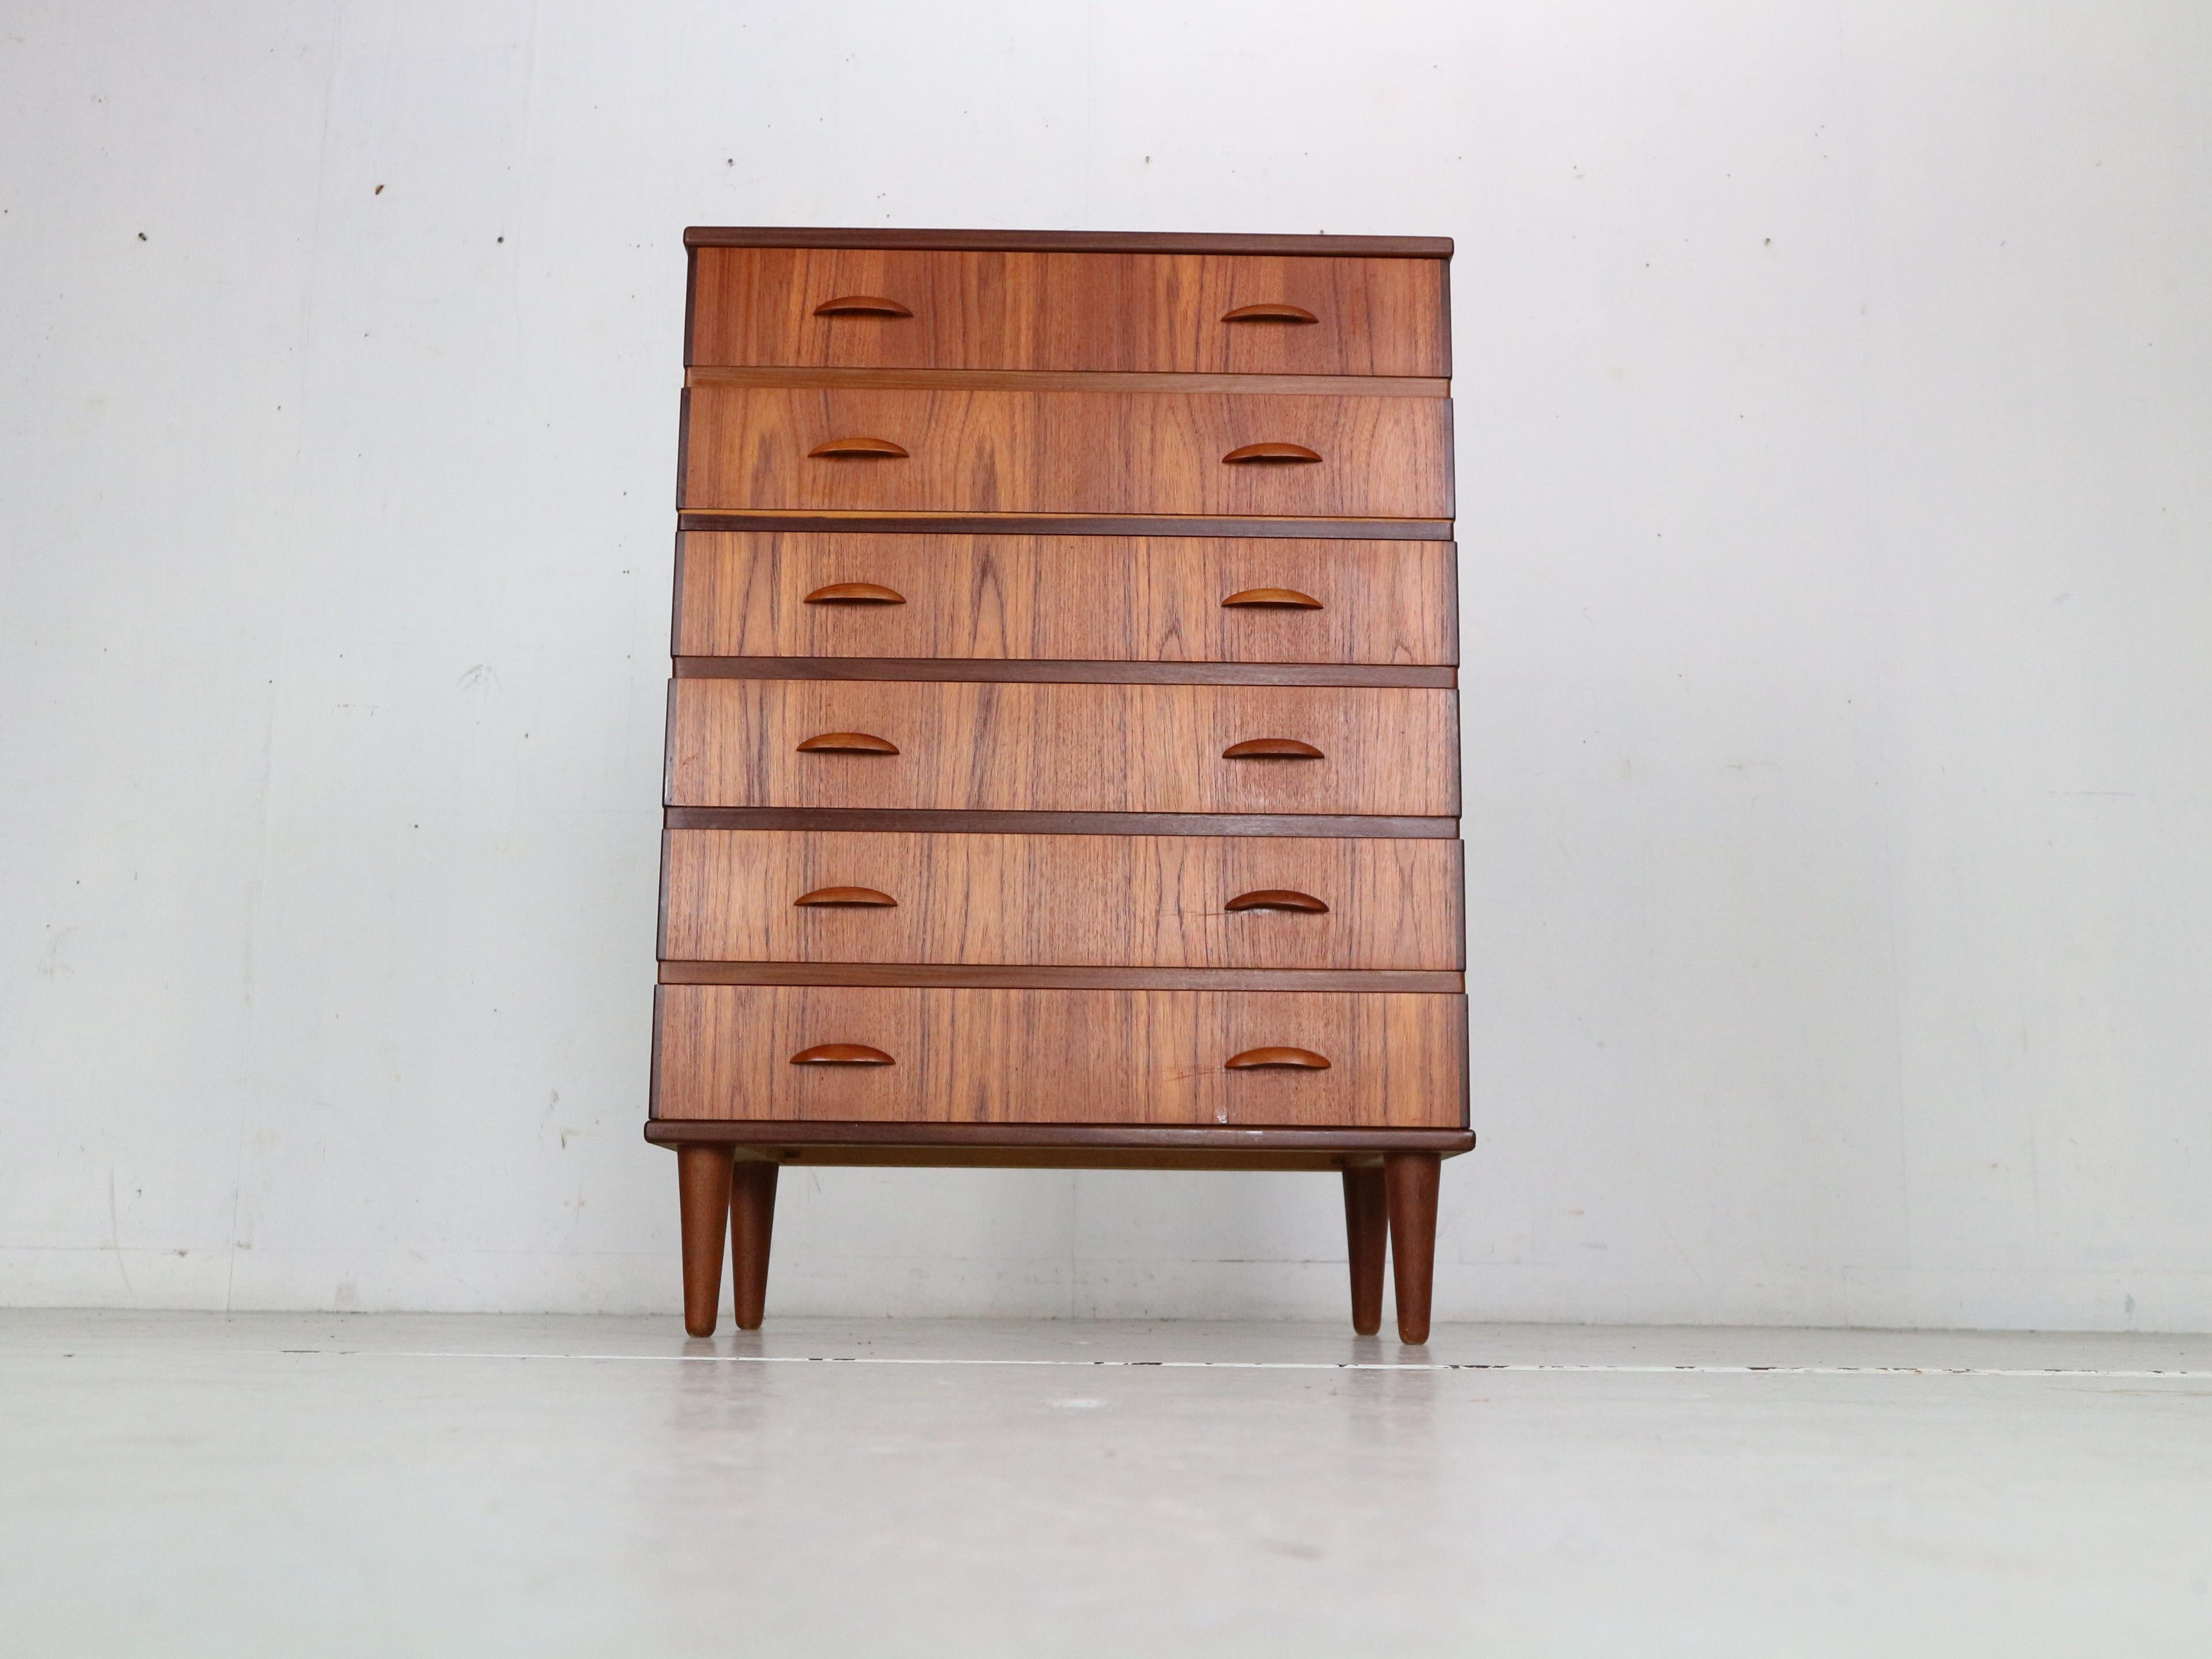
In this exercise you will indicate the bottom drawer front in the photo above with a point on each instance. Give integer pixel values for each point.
(976, 1056)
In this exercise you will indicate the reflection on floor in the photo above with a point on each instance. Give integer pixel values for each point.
(178, 1484)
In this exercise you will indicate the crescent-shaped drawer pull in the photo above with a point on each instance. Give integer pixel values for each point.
(1292, 1059)
(850, 449)
(861, 304)
(1269, 748)
(855, 593)
(859, 1053)
(866, 898)
(1272, 310)
(1271, 598)
(1273, 898)
(1277, 454)
(847, 743)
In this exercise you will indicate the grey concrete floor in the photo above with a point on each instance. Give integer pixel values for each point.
(179, 1485)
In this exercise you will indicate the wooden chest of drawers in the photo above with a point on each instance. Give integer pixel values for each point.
(1063, 747)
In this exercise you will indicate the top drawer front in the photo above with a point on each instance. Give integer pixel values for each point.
(792, 448)
(1133, 313)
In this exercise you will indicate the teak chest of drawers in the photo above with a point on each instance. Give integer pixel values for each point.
(1063, 745)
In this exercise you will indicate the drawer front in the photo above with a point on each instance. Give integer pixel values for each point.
(969, 450)
(971, 1056)
(1095, 598)
(1107, 901)
(1061, 748)
(1128, 312)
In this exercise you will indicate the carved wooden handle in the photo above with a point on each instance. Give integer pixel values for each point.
(865, 305)
(847, 743)
(1271, 898)
(867, 897)
(855, 593)
(1266, 749)
(1275, 454)
(859, 1053)
(862, 448)
(1272, 598)
(1271, 311)
(1296, 1060)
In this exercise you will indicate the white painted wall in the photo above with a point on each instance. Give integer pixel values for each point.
(1833, 455)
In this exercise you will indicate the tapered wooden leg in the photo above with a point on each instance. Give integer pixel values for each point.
(702, 1179)
(752, 1219)
(1365, 1232)
(1409, 1182)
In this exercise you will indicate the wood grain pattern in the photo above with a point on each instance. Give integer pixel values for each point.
(1366, 1233)
(895, 1157)
(1008, 669)
(702, 1179)
(1067, 451)
(1368, 1145)
(1409, 1184)
(1061, 1056)
(753, 1227)
(1058, 524)
(1029, 380)
(1070, 241)
(1068, 597)
(1057, 1146)
(973, 501)
(1122, 311)
(1059, 823)
(1108, 900)
(1063, 748)
(1061, 977)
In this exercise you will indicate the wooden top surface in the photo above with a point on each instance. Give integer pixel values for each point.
(1068, 241)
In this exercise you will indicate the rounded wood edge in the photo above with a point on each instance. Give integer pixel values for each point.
(675, 1131)
(1065, 241)
(1067, 524)
(930, 821)
(1041, 670)
(1272, 749)
(1272, 453)
(857, 448)
(1277, 1057)
(1269, 311)
(1278, 898)
(861, 304)
(842, 1054)
(847, 742)
(1271, 598)
(699, 376)
(854, 594)
(846, 898)
(1017, 977)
